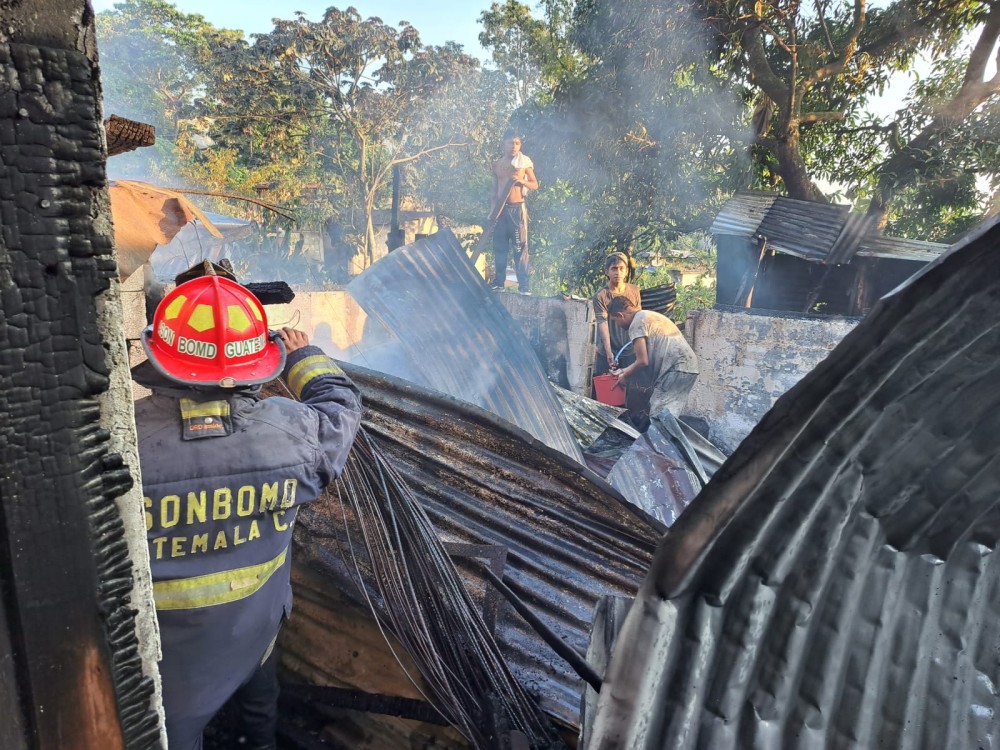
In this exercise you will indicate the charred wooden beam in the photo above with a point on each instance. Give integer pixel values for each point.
(126, 135)
(70, 671)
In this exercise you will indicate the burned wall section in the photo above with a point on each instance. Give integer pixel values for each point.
(73, 673)
(748, 359)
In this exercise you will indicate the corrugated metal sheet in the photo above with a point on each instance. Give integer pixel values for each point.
(899, 249)
(569, 538)
(589, 418)
(835, 583)
(442, 328)
(661, 299)
(820, 232)
(803, 229)
(742, 215)
(661, 471)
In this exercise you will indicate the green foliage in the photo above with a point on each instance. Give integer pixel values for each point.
(690, 254)
(642, 118)
(363, 90)
(156, 64)
(936, 211)
(534, 54)
(811, 73)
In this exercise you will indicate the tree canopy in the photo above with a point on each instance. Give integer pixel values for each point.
(642, 117)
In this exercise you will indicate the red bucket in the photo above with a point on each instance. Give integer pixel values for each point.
(608, 391)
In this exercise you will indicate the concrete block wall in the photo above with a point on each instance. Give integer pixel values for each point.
(750, 358)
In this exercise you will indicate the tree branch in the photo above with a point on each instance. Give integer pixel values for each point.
(839, 65)
(831, 116)
(981, 51)
(771, 144)
(760, 69)
(425, 152)
(269, 206)
(905, 32)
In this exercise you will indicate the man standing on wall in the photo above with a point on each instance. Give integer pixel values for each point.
(513, 177)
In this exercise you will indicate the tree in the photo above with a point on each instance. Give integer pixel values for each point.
(156, 63)
(813, 69)
(359, 88)
(535, 54)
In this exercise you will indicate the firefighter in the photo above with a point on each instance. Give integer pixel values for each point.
(223, 474)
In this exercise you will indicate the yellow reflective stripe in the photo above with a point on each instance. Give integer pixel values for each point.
(311, 367)
(191, 409)
(215, 588)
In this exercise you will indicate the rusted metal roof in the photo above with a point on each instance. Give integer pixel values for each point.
(563, 536)
(442, 328)
(834, 585)
(742, 215)
(819, 232)
(877, 246)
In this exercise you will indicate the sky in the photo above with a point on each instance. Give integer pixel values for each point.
(437, 21)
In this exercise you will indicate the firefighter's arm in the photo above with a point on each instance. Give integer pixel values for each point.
(318, 382)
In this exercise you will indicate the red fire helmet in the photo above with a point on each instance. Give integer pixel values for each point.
(211, 331)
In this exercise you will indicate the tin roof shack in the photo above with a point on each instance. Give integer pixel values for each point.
(777, 253)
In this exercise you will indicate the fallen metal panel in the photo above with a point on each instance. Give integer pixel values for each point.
(570, 538)
(661, 472)
(836, 584)
(449, 332)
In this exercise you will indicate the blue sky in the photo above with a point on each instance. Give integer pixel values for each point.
(438, 22)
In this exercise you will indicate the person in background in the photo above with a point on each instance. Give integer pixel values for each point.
(660, 346)
(223, 474)
(610, 338)
(513, 177)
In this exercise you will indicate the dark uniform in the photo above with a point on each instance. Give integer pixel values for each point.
(223, 474)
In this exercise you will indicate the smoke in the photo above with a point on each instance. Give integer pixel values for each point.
(645, 146)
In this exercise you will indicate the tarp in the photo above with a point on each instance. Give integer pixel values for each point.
(834, 585)
(195, 242)
(146, 216)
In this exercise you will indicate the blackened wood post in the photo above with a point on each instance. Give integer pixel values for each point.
(71, 675)
(396, 238)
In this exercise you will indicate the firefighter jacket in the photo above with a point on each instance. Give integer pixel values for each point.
(223, 474)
